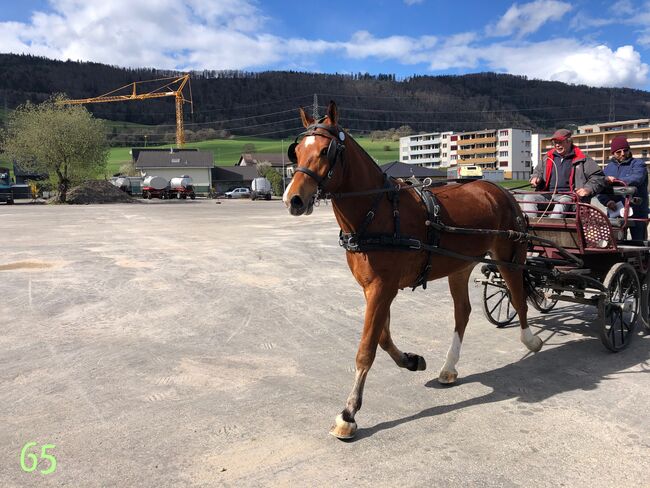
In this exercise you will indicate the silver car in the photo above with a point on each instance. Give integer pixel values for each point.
(238, 193)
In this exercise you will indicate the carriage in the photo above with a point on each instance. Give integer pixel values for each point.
(399, 236)
(583, 257)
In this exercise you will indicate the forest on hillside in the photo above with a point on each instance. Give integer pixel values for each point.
(265, 104)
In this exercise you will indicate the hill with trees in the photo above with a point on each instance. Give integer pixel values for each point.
(265, 104)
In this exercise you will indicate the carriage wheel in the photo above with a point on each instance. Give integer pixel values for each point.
(497, 307)
(540, 297)
(622, 306)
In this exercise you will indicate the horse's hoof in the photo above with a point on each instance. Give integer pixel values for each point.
(534, 344)
(447, 377)
(415, 362)
(342, 429)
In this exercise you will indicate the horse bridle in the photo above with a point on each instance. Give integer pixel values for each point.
(334, 151)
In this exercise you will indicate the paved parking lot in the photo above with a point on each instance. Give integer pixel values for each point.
(196, 344)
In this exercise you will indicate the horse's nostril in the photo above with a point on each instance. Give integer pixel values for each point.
(296, 202)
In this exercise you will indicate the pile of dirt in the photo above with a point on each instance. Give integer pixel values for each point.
(97, 191)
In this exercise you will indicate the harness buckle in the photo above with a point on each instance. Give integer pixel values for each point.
(416, 245)
(436, 210)
(395, 213)
(349, 242)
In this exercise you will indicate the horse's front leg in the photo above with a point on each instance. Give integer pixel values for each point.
(412, 362)
(378, 300)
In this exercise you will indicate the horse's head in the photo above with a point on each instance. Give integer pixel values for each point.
(317, 155)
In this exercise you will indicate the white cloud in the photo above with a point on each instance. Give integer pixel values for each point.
(408, 49)
(230, 34)
(528, 18)
(568, 61)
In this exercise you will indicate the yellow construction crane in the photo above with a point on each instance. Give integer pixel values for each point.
(173, 88)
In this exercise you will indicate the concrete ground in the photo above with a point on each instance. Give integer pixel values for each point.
(195, 344)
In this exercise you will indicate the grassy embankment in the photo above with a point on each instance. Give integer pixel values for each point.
(227, 151)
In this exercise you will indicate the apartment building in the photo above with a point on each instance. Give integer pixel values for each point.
(504, 149)
(594, 139)
(422, 149)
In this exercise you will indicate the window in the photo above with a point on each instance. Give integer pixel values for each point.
(405, 158)
(526, 164)
(503, 154)
(503, 143)
(454, 148)
(503, 164)
(503, 133)
(454, 157)
(454, 138)
(588, 131)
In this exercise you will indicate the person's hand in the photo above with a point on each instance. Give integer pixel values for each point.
(534, 181)
(583, 192)
(610, 179)
(611, 205)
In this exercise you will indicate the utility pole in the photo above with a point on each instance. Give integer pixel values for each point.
(284, 174)
(315, 108)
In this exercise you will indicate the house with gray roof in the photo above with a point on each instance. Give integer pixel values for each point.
(171, 164)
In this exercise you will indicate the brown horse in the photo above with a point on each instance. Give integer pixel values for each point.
(329, 160)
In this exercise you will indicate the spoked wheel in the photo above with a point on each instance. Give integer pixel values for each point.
(540, 295)
(622, 306)
(497, 306)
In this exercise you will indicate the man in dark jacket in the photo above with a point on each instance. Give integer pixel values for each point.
(564, 169)
(622, 166)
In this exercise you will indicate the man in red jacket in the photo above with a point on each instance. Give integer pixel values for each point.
(565, 169)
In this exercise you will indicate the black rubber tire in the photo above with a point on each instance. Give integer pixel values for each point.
(497, 307)
(622, 307)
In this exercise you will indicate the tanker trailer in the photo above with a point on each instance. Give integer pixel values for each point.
(123, 183)
(181, 187)
(155, 187)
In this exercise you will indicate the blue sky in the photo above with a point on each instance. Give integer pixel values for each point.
(592, 42)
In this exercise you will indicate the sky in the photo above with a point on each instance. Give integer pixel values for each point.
(597, 43)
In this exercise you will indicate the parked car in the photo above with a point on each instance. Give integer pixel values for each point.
(238, 193)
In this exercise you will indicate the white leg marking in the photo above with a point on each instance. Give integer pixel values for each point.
(286, 192)
(453, 355)
(532, 342)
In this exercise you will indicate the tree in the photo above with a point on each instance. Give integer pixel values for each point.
(64, 141)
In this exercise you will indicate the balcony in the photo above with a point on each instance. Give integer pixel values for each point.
(478, 150)
(490, 159)
(482, 140)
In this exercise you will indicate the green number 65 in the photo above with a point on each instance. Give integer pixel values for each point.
(33, 460)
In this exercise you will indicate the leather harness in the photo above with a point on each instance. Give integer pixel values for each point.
(361, 241)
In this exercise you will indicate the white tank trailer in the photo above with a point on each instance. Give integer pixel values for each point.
(123, 183)
(155, 187)
(155, 182)
(181, 187)
(261, 188)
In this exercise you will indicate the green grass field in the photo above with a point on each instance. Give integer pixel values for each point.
(227, 151)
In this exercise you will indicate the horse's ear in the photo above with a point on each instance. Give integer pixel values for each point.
(333, 113)
(306, 119)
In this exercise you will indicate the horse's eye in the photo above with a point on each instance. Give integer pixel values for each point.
(323, 152)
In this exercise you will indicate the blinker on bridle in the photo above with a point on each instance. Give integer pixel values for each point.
(334, 151)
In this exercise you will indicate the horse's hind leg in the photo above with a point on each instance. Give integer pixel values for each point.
(378, 301)
(515, 280)
(407, 360)
(458, 285)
